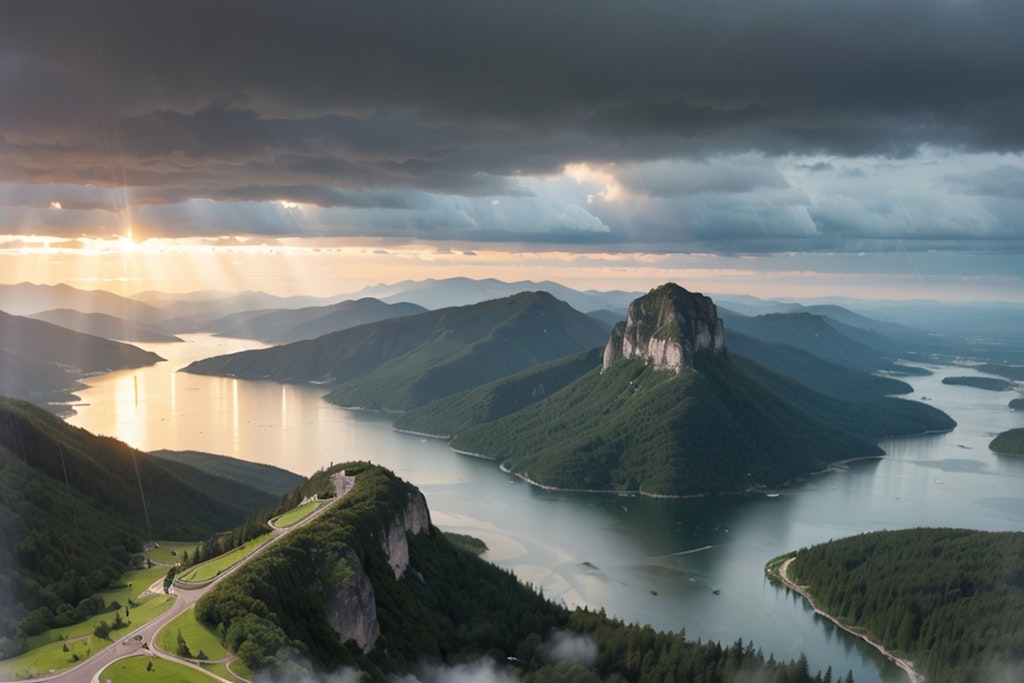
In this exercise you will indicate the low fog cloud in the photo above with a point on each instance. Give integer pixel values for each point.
(570, 647)
(483, 670)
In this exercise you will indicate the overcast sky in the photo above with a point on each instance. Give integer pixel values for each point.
(786, 133)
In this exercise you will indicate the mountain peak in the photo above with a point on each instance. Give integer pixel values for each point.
(666, 327)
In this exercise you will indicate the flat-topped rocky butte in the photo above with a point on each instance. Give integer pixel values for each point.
(665, 328)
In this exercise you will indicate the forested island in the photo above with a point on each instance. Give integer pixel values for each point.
(1009, 442)
(951, 601)
(986, 383)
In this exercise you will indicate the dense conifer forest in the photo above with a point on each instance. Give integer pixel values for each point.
(949, 600)
(1010, 442)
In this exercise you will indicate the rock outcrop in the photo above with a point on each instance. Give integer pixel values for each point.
(352, 609)
(414, 519)
(665, 328)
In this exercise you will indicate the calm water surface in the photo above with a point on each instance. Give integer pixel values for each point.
(651, 561)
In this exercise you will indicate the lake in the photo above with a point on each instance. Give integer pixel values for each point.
(694, 564)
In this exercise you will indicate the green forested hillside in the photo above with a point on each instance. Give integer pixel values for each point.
(1010, 442)
(491, 401)
(260, 476)
(950, 600)
(408, 362)
(872, 417)
(72, 512)
(449, 607)
(634, 428)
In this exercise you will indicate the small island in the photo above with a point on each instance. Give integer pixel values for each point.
(1009, 443)
(936, 601)
(1017, 404)
(987, 383)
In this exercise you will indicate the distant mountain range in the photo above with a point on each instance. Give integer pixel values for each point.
(281, 326)
(104, 325)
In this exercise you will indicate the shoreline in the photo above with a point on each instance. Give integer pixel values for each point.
(547, 487)
(905, 664)
(425, 435)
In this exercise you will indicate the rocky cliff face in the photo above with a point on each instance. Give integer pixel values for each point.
(352, 610)
(665, 328)
(414, 519)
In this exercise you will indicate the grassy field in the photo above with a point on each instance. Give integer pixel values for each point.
(132, 584)
(297, 514)
(136, 669)
(211, 568)
(46, 650)
(170, 552)
(198, 637)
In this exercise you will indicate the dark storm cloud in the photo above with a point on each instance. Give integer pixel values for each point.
(393, 106)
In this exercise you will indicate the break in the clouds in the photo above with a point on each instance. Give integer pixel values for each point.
(735, 126)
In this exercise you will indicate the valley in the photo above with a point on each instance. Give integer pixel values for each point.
(648, 560)
(672, 562)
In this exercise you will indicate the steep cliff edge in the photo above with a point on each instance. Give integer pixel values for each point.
(352, 604)
(666, 328)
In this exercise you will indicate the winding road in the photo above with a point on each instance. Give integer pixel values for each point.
(141, 640)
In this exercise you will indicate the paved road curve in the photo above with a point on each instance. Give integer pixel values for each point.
(141, 639)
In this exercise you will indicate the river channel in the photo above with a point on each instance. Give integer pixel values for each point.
(692, 564)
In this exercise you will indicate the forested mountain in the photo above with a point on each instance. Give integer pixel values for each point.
(74, 506)
(634, 428)
(406, 362)
(950, 600)
(707, 421)
(370, 589)
(1010, 442)
(36, 352)
(280, 326)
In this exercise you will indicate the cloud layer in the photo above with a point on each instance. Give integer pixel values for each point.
(735, 126)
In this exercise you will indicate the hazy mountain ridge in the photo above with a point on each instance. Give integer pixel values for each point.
(37, 350)
(281, 326)
(104, 325)
(461, 291)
